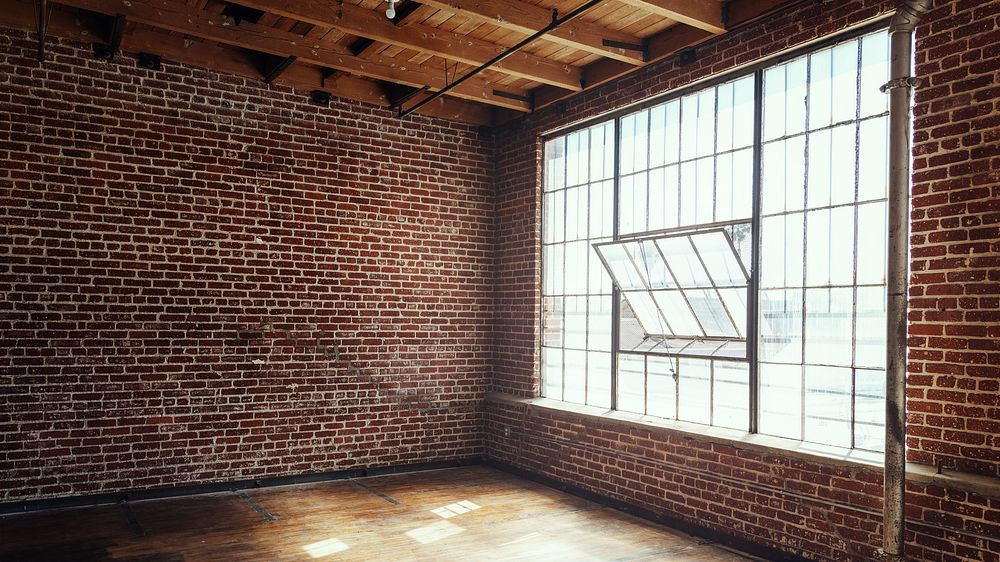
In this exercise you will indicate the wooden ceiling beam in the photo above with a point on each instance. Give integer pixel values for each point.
(528, 18)
(175, 16)
(228, 60)
(373, 24)
(702, 14)
(665, 44)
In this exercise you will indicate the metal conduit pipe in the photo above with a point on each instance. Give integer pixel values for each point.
(900, 90)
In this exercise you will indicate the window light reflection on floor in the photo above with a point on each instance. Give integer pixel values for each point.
(457, 508)
(325, 548)
(434, 532)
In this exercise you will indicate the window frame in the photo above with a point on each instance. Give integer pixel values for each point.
(756, 69)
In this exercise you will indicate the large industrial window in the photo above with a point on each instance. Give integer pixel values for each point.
(719, 258)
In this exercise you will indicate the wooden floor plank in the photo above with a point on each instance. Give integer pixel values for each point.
(469, 513)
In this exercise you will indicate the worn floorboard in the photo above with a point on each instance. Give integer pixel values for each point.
(471, 513)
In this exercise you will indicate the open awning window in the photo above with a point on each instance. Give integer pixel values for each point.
(687, 291)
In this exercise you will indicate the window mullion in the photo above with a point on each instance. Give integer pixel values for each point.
(615, 291)
(753, 288)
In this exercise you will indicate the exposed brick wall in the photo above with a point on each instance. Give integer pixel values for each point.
(173, 243)
(954, 382)
(955, 357)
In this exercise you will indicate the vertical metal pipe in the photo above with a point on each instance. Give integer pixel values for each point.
(41, 23)
(900, 89)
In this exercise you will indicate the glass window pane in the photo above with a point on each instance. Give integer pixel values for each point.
(695, 390)
(742, 241)
(706, 122)
(552, 269)
(599, 379)
(732, 350)
(873, 154)
(820, 89)
(783, 176)
(644, 309)
(870, 327)
(651, 266)
(731, 395)
(872, 242)
(843, 153)
(774, 102)
(576, 268)
(736, 303)
(720, 260)
(599, 323)
(829, 334)
(844, 81)
(602, 151)
(548, 217)
(552, 321)
(869, 410)
(781, 326)
(781, 400)
(635, 142)
(599, 214)
(575, 376)
(830, 247)
(820, 169)
(689, 127)
(874, 73)
(678, 314)
(734, 186)
(672, 132)
(552, 373)
(555, 164)
(743, 102)
(631, 383)
(795, 103)
(662, 393)
(781, 251)
(655, 192)
(576, 213)
(711, 314)
(705, 204)
(621, 267)
(683, 262)
(828, 405)
(577, 157)
(576, 323)
(724, 117)
(657, 135)
(558, 216)
(599, 282)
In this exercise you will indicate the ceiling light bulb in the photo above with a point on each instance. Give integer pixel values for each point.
(390, 12)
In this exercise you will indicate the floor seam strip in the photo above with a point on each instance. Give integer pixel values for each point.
(376, 492)
(267, 515)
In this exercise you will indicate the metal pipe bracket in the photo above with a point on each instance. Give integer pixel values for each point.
(904, 82)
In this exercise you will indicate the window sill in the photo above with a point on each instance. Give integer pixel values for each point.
(837, 457)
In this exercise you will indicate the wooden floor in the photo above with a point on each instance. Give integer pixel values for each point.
(472, 513)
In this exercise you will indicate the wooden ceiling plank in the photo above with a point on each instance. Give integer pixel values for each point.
(452, 46)
(702, 14)
(20, 14)
(662, 45)
(175, 16)
(528, 18)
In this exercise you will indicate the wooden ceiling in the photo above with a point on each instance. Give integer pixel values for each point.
(349, 48)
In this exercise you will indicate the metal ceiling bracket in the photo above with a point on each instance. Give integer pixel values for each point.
(319, 97)
(278, 69)
(556, 22)
(41, 23)
(150, 61)
(107, 51)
